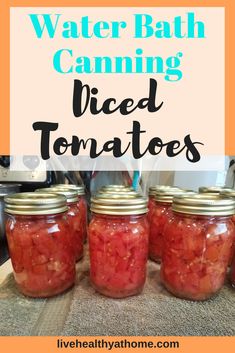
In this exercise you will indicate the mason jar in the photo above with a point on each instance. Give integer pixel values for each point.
(81, 203)
(38, 236)
(118, 244)
(74, 217)
(198, 242)
(161, 213)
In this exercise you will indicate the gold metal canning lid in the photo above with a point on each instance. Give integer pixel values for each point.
(119, 192)
(31, 203)
(116, 204)
(227, 193)
(116, 188)
(204, 204)
(153, 189)
(166, 195)
(71, 195)
(211, 189)
(79, 188)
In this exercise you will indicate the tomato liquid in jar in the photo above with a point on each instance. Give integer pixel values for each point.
(198, 241)
(118, 244)
(39, 243)
(74, 218)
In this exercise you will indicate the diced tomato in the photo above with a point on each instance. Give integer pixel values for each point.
(118, 254)
(196, 254)
(42, 255)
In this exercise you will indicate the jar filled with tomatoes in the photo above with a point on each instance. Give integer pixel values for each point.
(38, 236)
(74, 217)
(198, 243)
(161, 213)
(118, 244)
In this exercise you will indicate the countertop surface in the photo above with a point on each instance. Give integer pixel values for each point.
(82, 311)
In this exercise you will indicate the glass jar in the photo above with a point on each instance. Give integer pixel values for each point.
(198, 241)
(39, 243)
(81, 203)
(118, 244)
(74, 217)
(160, 215)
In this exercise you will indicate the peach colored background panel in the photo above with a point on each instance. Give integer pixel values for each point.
(194, 105)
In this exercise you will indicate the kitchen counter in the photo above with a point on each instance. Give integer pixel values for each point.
(82, 311)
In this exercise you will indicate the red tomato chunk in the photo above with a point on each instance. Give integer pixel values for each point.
(118, 254)
(196, 255)
(41, 253)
